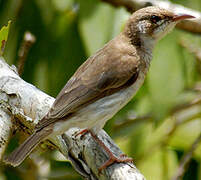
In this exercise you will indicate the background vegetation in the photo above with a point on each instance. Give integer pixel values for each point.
(158, 126)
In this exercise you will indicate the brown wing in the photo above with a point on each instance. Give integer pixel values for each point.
(97, 75)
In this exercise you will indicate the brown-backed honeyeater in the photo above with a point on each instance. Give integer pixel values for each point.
(105, 82)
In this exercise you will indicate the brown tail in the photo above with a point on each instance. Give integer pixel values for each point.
(18, 155)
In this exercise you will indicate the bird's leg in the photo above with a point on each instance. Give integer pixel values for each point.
(112, 158)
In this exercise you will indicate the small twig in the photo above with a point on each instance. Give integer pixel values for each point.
(186, 159)
(28, 41)
(128, 122)
(181, 107)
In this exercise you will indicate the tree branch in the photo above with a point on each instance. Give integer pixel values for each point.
(24, 102)
(28, 41)
(186, 159)
(193, 26)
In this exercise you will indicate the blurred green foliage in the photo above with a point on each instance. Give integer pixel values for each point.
(69, 31)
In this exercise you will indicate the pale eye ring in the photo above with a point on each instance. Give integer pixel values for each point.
(155, 18)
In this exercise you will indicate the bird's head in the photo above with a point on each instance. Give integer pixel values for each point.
(152, 23)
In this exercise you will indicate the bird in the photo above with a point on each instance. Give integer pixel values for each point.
(104, 83)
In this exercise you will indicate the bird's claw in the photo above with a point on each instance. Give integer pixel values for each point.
(122, 159)
(82, 133)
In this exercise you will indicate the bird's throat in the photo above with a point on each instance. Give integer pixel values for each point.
(142, 43)
(146, 48)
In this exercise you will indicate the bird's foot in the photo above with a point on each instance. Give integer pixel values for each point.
(123, 158)
(112, 158)
(82, 133)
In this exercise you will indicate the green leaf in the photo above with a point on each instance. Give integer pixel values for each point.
(3, 37)
(95, 24)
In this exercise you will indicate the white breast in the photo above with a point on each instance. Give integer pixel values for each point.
(96, 114)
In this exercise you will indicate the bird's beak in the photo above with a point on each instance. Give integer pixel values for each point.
(180, 17)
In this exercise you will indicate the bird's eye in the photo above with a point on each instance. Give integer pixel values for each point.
(155, 19)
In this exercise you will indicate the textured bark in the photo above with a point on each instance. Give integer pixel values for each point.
(22, 105)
